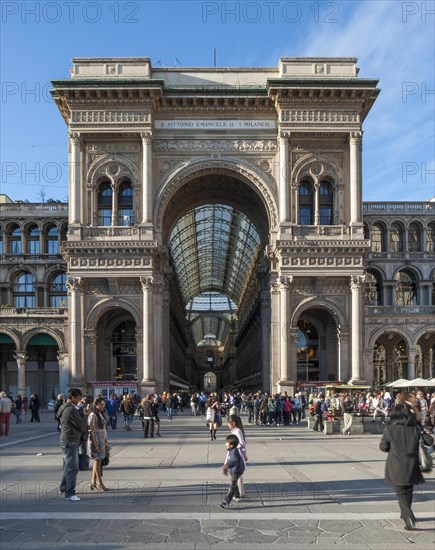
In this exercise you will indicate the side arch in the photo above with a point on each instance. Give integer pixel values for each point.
(101, 307)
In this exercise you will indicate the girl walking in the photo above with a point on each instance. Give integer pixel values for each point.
(236, 426)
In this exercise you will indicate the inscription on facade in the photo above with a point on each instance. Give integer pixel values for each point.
(215, 125)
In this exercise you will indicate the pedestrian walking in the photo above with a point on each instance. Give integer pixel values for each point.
(347, 414)
(213, 416)
(128, 409)
(402, 471)
(34, 406)
(6, 406)
(235, 424)
(320, 409)
(147, 412)
(73, 428)
(18, 410)
(235, 465)
(112, 408)
(97, 442)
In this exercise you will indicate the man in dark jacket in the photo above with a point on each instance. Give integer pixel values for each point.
(319, 413)
(72, 428)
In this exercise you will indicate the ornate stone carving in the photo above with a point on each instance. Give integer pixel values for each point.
(356, 282)
(74, 284)
(109, 117)
(213, 145)
(147, 283)
(285, 281)
(318, 116)
(146, 137)
(102, 148)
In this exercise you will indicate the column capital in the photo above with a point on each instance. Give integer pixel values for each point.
(74, 137)
(146, 138)
(20, 357)
(356, 282)
(284, 134)
(355, 137)
(285, 281)
(74, 284)
(147, 283)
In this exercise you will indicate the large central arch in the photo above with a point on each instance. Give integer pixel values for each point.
(207, 186)
(249, 176)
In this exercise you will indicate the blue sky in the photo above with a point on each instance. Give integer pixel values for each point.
(393, 40)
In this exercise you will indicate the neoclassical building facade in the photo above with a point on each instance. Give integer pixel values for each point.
(215, 236)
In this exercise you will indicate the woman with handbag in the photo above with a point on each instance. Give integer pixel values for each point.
(402, 469)
(97, 442)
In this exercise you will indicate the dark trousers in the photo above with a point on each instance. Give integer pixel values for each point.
(148, 427)
(319, 420)
(404, 495)
(233, 491)
(35, 415)
(70, 453)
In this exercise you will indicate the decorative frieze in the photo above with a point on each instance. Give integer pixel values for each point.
(213, 145)
(110, 263)
(102, 148)
(105, 117)
(319, 116)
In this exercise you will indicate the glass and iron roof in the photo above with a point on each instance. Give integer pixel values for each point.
(213, 249)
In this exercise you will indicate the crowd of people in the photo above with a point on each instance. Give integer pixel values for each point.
(83, 425)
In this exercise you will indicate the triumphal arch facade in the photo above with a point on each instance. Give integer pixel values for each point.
(215, 223)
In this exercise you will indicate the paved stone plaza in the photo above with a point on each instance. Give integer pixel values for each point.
(304, 489)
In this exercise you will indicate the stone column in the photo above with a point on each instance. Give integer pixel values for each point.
(294, 215)
(74, 178)
(158, 340)
(21, 358)
(147, 178)
(411, 363)
(265, 328)
(165, 342)
(91, 199)
(343, 353)
(316, 203)
(356, 328)
(283, 178)
(355, 172)
(114, 205)
(62, 359)
(74, 286)
(336, 207)
(275, 365)
(148, 382)
(286, 380)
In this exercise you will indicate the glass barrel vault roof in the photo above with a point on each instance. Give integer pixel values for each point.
(213, 249)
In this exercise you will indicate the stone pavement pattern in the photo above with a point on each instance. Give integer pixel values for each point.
(304, 490)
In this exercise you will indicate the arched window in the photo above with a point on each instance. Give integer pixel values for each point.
(24, 290)
(125, 204)
(58, 292)
(105, 204)
(51, 241)
(32, 240)
(405, 294)
(377, 238)
(372, 290)
(414, 238)
(306, 203)
(396, 238)
(326, 203)
(430, 237)
(14, 237)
